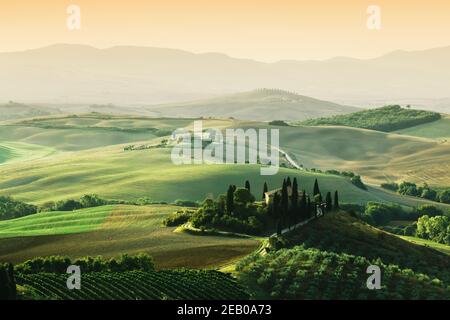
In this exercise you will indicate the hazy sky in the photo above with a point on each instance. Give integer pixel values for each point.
(266, 30)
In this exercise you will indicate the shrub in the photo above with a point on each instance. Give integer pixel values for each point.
(390, 186)
(68, 205)
(444, 196)
(186, 203)
(11, 209)
(278, 123)
(177, 218)
(356, 180)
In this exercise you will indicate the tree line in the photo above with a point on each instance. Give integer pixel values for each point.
(424, 191)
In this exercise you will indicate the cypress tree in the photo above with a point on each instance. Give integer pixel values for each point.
(294, 201)
(336, 200)
(309, 207)
(316, 188)
(329, 202)
(12, 281)
(230, 199)
(279, 228)
(265, 189)
(288, 182)
(247, 185)
(276, 206)
(284, 200)
(303, 212)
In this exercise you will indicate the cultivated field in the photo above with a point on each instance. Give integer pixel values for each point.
(113, 230)
(435, 130)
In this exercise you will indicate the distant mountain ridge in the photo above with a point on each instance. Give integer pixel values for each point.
(143, 75)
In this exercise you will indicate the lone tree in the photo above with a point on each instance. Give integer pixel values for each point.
(336, 200)
(329, 202)
(316, 188)
(247, 185)
(230, 199)
(265, 189)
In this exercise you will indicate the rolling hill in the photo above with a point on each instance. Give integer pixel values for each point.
(377, 156)
(14, 110)
(55, 174)
(328, 259)
(257, 105)
(112, 230)
(434, 130)
(386, 119)
(142, 75)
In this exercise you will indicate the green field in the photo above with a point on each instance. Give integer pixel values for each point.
(20, 151)
(113, 230)
(150, 173)
(427, 243)
(435, 130)
(378, 157)
(48, 223)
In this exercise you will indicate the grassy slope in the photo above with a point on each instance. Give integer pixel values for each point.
(47, 223)
(110, 231)
(259, 105)
(427, 243)
(341, 233)
(435, 130)
(20, 151)
(116, 174)
(20, 111)
(377, 156)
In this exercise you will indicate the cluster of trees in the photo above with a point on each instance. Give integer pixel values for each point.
(178, 218)
(434, 228)
(289, 210)
(238, 210)
(7, 282)
(11, 209)
(279, 123)
(235, 211)
(354, 178)
(86, 201)
(380, 214)
(58, 264)
(387, 119)
(424, 191)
